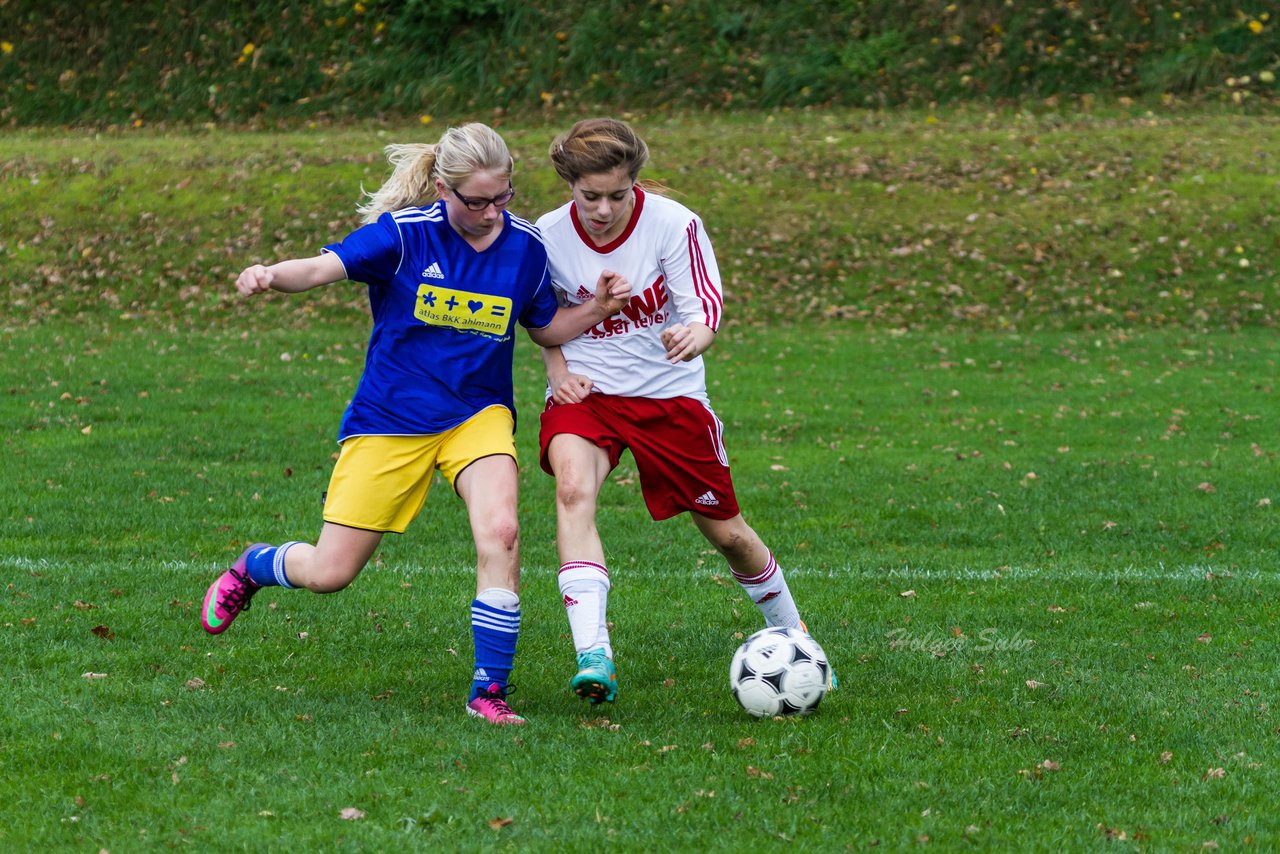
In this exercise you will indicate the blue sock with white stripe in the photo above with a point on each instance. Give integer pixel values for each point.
(266, 566)
(495, 626)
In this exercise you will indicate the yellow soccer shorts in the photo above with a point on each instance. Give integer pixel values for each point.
(380, 482)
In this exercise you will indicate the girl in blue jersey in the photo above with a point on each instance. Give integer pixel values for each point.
(449, 272)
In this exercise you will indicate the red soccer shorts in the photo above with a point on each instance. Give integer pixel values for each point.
(678, 446)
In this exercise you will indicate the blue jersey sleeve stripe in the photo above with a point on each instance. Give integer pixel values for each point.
(400, 235)
(527, 228)
(327, 251)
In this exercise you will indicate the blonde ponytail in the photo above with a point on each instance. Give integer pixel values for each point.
(412, 182)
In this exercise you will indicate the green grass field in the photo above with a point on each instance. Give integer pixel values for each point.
(1038, 552)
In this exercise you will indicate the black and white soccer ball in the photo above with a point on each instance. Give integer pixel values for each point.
(779, 671)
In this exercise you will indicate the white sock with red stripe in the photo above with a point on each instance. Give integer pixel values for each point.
(584, 584)
(770, 593)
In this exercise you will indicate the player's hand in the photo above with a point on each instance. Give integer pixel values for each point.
(612, 292)
(254, 280)
(571, 388)
(680, 342)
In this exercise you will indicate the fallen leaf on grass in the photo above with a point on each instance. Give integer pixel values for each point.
(195, 683)
(103, 632)
(499, 822)
(601, 723)
(1165, 757)
(92, 675)
(1034, 685)
(351, 814)
(1113, 833)
(1214, 774)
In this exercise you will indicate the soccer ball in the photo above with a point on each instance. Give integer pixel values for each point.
(779, 671)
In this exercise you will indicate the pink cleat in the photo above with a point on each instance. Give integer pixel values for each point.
(229, 595)
(491, 704)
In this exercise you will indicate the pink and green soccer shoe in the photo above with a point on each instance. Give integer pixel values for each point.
(229, 595)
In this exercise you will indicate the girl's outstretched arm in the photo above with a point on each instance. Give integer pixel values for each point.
(292, 276)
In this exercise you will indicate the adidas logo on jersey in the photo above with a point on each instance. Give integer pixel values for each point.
(584, 294)
(433, 272)
(707, 498)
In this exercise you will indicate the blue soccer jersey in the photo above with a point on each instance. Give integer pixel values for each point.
(443, 319)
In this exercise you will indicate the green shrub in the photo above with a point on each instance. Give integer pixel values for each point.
(104, 62)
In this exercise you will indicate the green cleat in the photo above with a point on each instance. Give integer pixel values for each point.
(597, 680)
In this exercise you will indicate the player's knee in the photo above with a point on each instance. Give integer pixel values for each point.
(736, 543)
(499, 534)
(330, 579)
(573, 494)
(732, 545)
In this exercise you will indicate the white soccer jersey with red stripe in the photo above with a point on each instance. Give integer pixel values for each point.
(666, 255)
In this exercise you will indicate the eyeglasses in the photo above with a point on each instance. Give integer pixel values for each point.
(478, 204)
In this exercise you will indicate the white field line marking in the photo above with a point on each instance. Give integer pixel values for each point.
(1157, 572)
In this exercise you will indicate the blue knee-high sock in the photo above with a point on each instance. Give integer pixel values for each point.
(495, 627)
(266, 566)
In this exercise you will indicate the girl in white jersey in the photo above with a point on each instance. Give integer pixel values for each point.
(636, 380)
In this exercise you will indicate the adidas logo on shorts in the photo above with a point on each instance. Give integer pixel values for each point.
(707, 499)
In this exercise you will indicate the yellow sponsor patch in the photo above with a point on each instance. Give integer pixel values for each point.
(486, 313)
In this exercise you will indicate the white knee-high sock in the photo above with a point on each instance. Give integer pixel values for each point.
(770, 593)
(584, 585)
